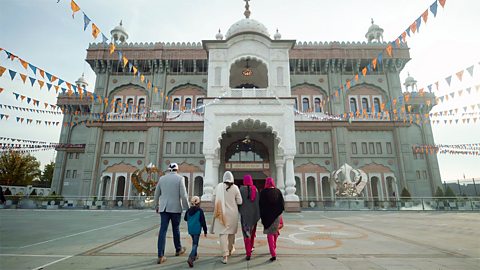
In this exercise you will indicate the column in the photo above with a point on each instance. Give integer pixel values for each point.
(290, 181)
(280, 178)
(211, 177)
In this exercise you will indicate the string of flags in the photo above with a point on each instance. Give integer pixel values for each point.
(375, 62)
(29, 120)
(34, 101)
(25, 141)
(458, 149)
(21, 150)
(24, 109)
(457, 93)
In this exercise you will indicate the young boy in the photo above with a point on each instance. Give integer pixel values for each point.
(195, 219)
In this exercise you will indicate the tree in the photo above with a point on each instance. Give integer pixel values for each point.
(18, 168)
(449, 193)
(439, 192)
(405, 194)
(47, 175)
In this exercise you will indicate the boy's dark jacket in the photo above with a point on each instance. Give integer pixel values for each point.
(195, 219)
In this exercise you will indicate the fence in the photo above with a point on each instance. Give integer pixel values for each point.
(340, 204)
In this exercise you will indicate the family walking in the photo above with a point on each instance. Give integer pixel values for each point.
(230, 202)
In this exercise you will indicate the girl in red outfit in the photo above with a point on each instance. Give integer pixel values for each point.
(272, 206)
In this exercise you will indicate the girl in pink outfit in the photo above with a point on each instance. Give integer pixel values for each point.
(272, 206)
(249, 213)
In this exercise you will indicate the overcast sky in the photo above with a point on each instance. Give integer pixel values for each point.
(44, 33)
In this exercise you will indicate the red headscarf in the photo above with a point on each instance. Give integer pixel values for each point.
(269, 183)
(247, 181)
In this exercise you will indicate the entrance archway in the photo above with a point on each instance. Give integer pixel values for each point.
(120, 188)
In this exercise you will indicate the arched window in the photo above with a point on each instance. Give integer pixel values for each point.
(317, 105)
(186, 183)
(188, 104)
(296, 104)
(141, 105)
(311, 190)
(298, 190)
(305, 104)
(353, 105)
(376, 104)
(200, 105)
(118, 104)
(365, 105)
(129, 105)
(176, 104)
(198, 186)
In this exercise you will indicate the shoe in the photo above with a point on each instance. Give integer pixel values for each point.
(181, 251)
(224, 260)
(230, 252)
(274, 258)
(248, 258)
(196, 258)
(190, 262)
(161, 259)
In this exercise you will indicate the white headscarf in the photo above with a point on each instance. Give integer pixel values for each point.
(219, 211)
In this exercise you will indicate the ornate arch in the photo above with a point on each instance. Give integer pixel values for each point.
(121, 167)
(178, 88)
(376, 168)
(311, 168)
(314, 89)
(360, 88)
(124, 87)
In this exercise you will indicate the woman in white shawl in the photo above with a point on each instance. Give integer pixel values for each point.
(227, 197)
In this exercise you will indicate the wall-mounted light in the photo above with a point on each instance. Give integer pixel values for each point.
(247, 71)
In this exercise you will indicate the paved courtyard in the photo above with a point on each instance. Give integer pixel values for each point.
(84, 239)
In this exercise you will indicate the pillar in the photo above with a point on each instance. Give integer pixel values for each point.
(280, 178)
(211, 177)
(290, 180)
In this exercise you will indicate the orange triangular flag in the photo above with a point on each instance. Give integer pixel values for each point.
(22, 97)
(46, 105)
(1, 90)
(155, 90)
(413, 27)
(348, 84)
(56, 88)
(42, 73)
(23, 76)
(24, 63)
(142, 78)
(41, 83)
(74, 7)
(149, 85)
(425, 16)
(95, 30)
(404, 36)
(112, 48)
(442, 2)
(460, 75)
(374, 63)
(125, 61)
(53, 79)
(356, 77)
(389, 49)
(2, 70)
(134, 70)
(364, 71)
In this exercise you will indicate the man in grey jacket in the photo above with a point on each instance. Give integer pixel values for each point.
(170, 198)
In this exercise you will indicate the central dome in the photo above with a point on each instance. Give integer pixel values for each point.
(247, 25)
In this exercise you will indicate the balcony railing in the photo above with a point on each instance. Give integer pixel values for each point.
(248, 92)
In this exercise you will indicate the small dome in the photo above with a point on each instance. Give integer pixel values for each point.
(219, 35)
(247, 25)
(374, 33)
(82, 80)
(119, 34)
(277, 35)
(409, 80)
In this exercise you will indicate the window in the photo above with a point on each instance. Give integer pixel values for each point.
(192, 148)
(316, 148)
(354, 148)
(353, 105)
(201, 147)
(124, 147)
(371, 147)
(188, 104)
(309, 147)
(118, 105)
(326, 149)
(389, 148)
(365, 105)
(67, 175)
(317, 105)
(305, 104)
(141, 105)
(131, 145)
(376, 104)
(116, 149)
(141, 146)
(301, 148)
(74, 174)
(178, 148)
(129, 105)
(422, 156)
(379, 148)
(176, 104)
(296, 104)
(77, 155)
(425, 175)
(185, 147)
(418, 174)
(364, 148)
(200, 105)
(70, 155)
(168, 148)
(106, 150)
